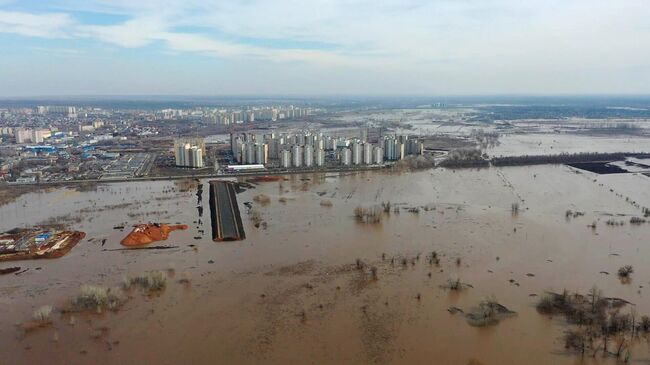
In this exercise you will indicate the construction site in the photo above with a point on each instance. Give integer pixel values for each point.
(37, 244)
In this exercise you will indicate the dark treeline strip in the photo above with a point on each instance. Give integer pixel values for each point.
(450, 163)
(563, 158)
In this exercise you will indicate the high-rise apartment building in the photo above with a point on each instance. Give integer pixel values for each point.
(189, 152)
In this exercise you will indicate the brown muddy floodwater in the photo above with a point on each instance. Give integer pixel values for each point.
(290, 292)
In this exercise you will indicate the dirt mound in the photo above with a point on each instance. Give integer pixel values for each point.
(144, 234)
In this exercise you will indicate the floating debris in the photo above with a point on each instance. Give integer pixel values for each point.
(454, 310)
(9, 270)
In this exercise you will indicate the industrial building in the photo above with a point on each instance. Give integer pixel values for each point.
(245, 168)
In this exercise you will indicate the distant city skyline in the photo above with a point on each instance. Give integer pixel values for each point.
(285, 47)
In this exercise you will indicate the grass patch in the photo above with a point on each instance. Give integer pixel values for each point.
(42, 315)
(149, 281)
(488, 312)
(96, 297)
(455, 284)
(625, 271)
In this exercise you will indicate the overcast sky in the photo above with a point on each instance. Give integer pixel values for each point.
(369, 47)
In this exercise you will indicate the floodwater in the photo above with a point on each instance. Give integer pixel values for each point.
(557, 143)
(290, 293)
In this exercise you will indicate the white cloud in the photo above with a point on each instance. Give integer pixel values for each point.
(144, 31)
(58, 51)
(130, 34)
(49, 25)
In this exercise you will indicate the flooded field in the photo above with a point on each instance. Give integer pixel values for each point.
(553, 144)
(310, 273)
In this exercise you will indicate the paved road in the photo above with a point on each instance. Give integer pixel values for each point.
(226, 222)
(207, 176)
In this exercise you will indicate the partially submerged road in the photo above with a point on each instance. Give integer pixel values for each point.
(224, 211)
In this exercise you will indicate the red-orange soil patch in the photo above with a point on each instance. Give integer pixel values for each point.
(144, 234)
